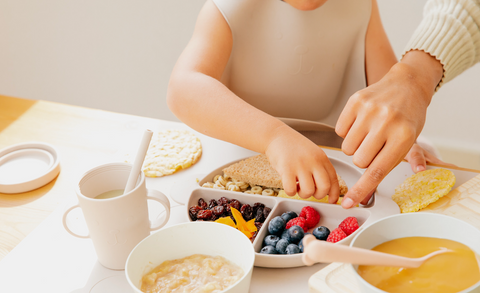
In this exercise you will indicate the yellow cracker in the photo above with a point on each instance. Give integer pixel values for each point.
(422, 189)
(170, 151)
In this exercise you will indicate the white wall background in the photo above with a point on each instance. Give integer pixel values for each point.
(117, 55)
(109, 54)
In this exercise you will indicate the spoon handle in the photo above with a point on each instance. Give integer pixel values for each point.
(326, 252)
(138, 162)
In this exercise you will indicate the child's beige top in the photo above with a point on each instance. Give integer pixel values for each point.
(296, 64)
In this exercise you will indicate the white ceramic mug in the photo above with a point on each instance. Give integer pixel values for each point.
(116, 224)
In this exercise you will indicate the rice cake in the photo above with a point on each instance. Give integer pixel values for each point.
(170, 151)
(422, 189)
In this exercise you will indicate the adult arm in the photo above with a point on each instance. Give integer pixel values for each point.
(446, 43)
(198, 98)
(450, 32)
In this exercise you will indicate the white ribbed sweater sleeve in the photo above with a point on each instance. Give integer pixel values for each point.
(449, 31)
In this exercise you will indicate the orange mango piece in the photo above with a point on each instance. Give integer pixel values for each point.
(246, 228)
(227, 221)
(251, 225)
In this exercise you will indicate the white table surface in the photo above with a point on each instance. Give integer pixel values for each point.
(51, 260)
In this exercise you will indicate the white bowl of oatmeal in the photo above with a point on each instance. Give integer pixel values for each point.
(192, 257)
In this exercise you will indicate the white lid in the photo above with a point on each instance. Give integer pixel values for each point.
(27, 166)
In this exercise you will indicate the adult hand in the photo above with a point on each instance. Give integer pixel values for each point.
(379, 124)
(419, 157)
(302, 165)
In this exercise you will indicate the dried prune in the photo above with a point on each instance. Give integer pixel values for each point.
(204, 215)
(212, 203)
(228, 210)
(256, 206)
(202, 203)
(266, 212)
(259, 217)
(247, 212)
(223, 201)
(193, 211)
(235, 204)
(218, 210)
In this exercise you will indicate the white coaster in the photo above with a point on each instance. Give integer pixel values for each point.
(27, 166)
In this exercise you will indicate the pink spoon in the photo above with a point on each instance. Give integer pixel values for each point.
(322, 251)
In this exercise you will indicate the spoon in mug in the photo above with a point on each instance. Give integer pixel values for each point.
(322, 251)
(138, 162)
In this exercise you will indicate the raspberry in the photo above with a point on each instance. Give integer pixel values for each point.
(311, 215)
(299, 221)
(349, 225)
(336, 235)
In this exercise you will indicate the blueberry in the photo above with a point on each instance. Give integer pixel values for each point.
(276, 226)
(271, 240)
(281, 246)
(287, 216)
(292, 249)
(295, 234)
(284, 235)
(300, 244)
(268, 250)
(321, 233)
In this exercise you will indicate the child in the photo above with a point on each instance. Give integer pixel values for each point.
(252, 61)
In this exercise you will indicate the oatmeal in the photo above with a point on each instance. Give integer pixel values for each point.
(195, 273)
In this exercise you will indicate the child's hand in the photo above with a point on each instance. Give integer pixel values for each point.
(302, 165)
(418, 159)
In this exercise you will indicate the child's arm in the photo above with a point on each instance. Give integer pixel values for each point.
(379, 55)
(197, 97)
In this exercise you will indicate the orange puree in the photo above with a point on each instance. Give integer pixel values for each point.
(447, 272)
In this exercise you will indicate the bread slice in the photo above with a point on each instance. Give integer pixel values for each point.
(343, 185)
(257, 170)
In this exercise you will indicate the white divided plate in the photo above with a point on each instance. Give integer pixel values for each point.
(331, 214)
(27, 166)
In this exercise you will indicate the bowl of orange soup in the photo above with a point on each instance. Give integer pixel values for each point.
(192, 257)
(415, 235)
